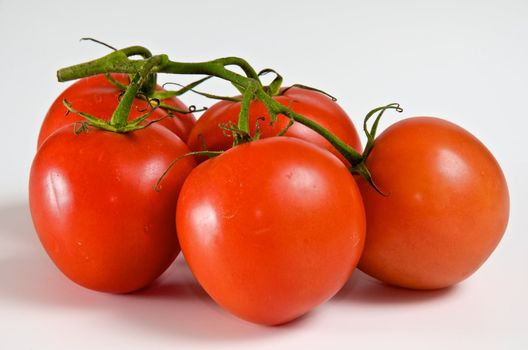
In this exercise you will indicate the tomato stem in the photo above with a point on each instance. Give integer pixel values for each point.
(242, 134)
(371, 134)
(275, 108)
(119, 118)
(273, 88)
(150, 84)
(249, 85)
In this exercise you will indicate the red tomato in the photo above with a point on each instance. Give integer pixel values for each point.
(446, 210)
(271, 228)
(99, 97)
(311, 104)
(95, 209)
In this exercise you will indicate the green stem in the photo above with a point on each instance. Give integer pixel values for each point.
(348, 152)
(371, 134)
(149, 85)
(118, 61)
(274, 87)
(137, 51)
(243, 118)
(243, 64)
(105, 64)
(120, 116)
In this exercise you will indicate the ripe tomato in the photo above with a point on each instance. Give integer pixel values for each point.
(446, 210)
(311, 104)
(97, 96)
(95, 209)
(271, 228)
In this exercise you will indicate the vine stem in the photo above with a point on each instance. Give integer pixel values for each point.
(118, 62)
(243, 119)
(350, 154)
(120, 116)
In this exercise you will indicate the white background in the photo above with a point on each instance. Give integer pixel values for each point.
(466, 61)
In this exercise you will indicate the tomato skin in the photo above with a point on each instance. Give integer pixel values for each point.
(446, 210)
(97, 96)
(95, 210)
(310, 104)
(272, 228)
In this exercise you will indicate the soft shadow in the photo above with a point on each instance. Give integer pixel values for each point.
(173, 306)
(16, 228)
(177, 306)
(363, 289)
(28, 275)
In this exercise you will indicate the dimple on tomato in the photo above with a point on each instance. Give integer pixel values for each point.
(94, 206)
(97, 96)
(271, 228)
(446, 205)
(311, 104)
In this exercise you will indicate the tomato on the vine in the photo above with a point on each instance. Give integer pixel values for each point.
(94, 206)
(271, 228)
(98, 96)
(446, 205)
(311, 104)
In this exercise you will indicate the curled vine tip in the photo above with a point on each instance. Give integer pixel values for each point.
(154, 102)
(98, 42)
(371, 134)
(193, 109)
(396, 107)
(274, 87)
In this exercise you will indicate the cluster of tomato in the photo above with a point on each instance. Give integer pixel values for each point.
(269, 228)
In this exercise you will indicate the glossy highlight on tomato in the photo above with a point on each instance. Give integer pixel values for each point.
(314, 105)
(99, 97)
(446, 208)
(271, 228)
(94, 206)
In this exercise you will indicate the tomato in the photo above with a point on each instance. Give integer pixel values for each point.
(94, 206)
(311, 104)
(446, 208)
(271, 228)
(97, 96)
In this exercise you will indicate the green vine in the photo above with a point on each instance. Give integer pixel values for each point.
(249, 85)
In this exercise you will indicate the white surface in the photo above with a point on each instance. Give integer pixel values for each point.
(465, 61)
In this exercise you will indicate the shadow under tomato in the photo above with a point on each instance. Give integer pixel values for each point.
(177, 304)
(16, 228)
(173, 306)
(361, 288)
(27, 273)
